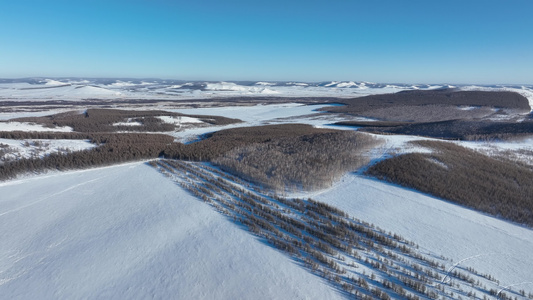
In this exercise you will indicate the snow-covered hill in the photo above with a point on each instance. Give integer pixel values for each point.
(76, 89)
(125, 232)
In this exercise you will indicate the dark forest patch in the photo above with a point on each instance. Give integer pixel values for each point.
(433, 97)
(455, 129)
(105, 120)
(319, 149)
(495, 186)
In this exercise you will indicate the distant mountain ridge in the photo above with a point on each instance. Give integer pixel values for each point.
(73, 88)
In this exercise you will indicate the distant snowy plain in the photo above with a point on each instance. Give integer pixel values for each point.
(126, 232)
(76, 89)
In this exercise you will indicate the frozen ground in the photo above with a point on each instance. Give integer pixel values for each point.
(125, 232)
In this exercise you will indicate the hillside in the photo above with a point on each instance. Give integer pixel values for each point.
(126, 232)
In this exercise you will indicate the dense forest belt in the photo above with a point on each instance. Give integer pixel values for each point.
(307, 162)
(289, 155)
(220, 142)
(7, 104)
(496, 186)
(454, 129)
(105, 120)
(112, 149)
(358, 106)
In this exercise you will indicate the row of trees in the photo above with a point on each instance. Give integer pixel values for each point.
(325, 239)
(112, 149)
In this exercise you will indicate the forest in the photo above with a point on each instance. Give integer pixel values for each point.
(291, 156)
(494, 185)
(112, 120)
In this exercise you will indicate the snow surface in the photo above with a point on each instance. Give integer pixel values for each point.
(179, 120)
(117, 89)
(251, 116)
(230, 86)
(42, 147)
(133, 123)
(495, 247)
(24, 114)
(126, 232)
(24, 126)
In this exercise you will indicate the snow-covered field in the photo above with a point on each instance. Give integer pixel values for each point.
(125, 232)
(489, 245)
(255, 116)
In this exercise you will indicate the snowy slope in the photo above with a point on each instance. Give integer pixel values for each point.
(125, 232)
(490, 245)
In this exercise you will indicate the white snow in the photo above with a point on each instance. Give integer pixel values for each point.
(83, 89)
(251, 116)
(264, 83)
(233, 87)
(350, 84)
(41, 147)
(179, 120)
(133, 123)
(439, 227)
(24, 126)
(23, 114)
(59, 92)
(51, 82)
(126, 232)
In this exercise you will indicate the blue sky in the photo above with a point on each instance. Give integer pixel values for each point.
(394, 41)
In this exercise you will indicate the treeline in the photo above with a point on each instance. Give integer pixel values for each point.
(112, 149)
(103, 120)
(495, 186)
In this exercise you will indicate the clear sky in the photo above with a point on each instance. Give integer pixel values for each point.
(411, 41)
